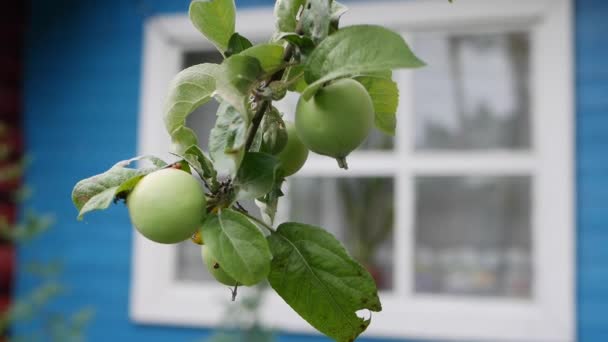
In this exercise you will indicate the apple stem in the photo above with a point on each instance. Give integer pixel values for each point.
(342, 163)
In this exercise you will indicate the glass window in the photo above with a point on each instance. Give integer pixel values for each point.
(474, 92)
(473, 236)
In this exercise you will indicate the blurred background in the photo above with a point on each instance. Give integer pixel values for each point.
(483, 219)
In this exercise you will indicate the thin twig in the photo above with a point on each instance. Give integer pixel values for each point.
(255, 123)
(234, 291)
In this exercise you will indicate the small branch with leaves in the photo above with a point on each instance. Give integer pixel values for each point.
(343, 77)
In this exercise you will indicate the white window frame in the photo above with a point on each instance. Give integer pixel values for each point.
(158, 298)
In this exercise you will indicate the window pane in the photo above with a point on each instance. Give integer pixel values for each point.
(358, 211)
(474, 92)
(473, 236)
(377, 141)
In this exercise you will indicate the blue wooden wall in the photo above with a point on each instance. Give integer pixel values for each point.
(82, 83)
(592, 168)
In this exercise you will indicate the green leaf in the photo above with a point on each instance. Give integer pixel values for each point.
(182, 137)
(304, 44)
(314, 274)
(385, 96)
(296, 71)
(269, 55)
(286, 12)
(256, 175)
(98, 192)
(295, 39)
(388, 74)
(236, 79)
(125, 188)
(190, 89)
(215, 19)
(100, 201)
(239, 246)
(316, 19)
(341, 55)
(200, 163)
(237, 44)
(227, 141)
(269, 202)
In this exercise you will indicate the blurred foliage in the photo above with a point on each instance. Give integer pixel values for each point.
(32, 307)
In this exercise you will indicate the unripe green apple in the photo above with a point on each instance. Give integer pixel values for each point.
(336, 120)
(167, 206)
(294, 154)
(215, 268)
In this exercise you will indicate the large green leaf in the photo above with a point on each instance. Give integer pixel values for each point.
(342, 55)
(385, 96)
(286, 12)
(215, 19)
(256, 175)
(98, 192)
(190, 89)
(236, 79)
(227, 141)
(269, 55)
(239, 246)
(314, 274)
(316, 18)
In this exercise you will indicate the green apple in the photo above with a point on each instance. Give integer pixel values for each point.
(167, 206)
(336, 120)
(294, 154)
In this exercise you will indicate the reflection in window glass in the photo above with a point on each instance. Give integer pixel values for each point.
(474, 92)
(358, 211)
(473, 236)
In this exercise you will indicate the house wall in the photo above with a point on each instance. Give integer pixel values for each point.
(592, 168)
(82, 83)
